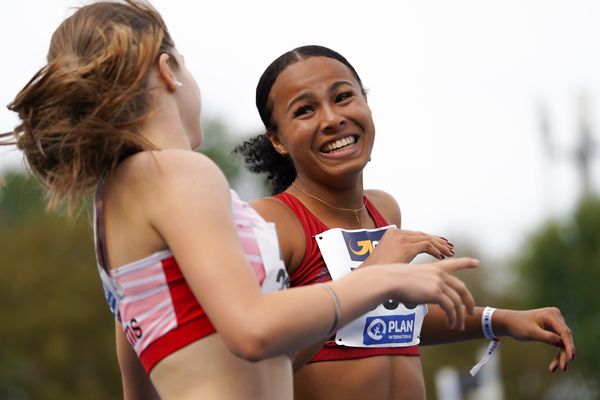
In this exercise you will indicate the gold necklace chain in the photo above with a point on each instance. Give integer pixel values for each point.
(354, 210)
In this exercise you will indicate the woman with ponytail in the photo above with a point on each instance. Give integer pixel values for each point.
(191, 273)
(319, 133)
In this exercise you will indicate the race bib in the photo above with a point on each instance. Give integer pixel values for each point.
(276, 276)
(390, 324)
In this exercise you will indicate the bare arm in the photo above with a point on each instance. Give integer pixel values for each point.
(189, 205)
(544, 325)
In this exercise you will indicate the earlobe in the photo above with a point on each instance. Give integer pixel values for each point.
(277, 145)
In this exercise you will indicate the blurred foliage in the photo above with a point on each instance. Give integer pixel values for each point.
(560, 266)
(57, 334)
(218, 145)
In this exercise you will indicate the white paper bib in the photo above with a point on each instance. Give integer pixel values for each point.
(388, 325)
(276, 276)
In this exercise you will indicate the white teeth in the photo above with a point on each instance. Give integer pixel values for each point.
(339, 143)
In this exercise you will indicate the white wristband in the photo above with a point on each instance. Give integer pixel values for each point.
(486, 323)
(488, 332)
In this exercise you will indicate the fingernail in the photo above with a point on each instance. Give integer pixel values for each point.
(553, 370)
(573, 358)
(442, 256)
(452, 252)
(559, 343)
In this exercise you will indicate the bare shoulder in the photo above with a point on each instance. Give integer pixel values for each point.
(386, 204)
(161, 171)
(171, 163)
(155, 181)
(289, 230)
(272, 209)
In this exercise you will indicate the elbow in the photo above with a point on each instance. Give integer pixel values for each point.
(251, 345)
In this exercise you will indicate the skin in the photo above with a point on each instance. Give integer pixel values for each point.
(146, 203)
(316, 102)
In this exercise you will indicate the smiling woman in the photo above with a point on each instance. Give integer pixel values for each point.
(320, 128)
(191, 273)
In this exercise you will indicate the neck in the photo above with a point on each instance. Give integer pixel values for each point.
(348, 195)
(330, 208)
(163, 126)
(165, 131)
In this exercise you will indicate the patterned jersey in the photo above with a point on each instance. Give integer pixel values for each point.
(152, 300)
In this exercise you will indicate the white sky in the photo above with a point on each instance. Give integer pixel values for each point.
(454, 87)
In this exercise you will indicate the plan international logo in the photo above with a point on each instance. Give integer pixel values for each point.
(360, 244)
(388, 329)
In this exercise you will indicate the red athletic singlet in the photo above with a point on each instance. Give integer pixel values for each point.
(312, 269)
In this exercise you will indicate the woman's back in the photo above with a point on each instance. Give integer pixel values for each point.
(200, 368)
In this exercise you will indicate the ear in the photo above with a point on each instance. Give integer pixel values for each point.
(276, 142)
(166, 73)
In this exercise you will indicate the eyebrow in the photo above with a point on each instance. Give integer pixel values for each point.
(308, 95)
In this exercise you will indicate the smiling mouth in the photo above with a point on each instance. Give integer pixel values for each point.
(339, 145)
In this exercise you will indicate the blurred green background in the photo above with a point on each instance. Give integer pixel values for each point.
(57, 333)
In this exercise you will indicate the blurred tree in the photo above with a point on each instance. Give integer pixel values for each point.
(57, 334)
(560, 266)
(218, 145)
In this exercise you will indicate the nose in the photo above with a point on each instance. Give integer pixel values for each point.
(331, 119)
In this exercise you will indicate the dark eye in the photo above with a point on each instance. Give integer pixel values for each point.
(343, 96)
(302, 110)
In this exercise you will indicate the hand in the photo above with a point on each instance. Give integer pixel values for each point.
(434, 283)
(403, 246)
(545, 325)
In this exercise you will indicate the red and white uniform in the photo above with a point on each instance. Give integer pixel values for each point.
(156, 307)
(314, 269)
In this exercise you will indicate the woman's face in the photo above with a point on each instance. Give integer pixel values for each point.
(323, 120)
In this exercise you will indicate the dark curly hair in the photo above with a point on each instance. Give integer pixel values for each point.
(258, 152)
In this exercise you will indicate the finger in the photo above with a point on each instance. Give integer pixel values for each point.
(558, 325)
(555, 362)
(563, 359)
(447, 241)
(426, 246)
(457, 264)
(567, 339)
(432, 245)
(540, 334)
(448, 307)
(443, 246)
(457, 304)
(458, 307)
(464, 293)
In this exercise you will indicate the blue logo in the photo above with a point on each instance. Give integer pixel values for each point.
(387, 329)
(113, 302)
(361, 244)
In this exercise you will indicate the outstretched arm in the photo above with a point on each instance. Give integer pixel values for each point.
(189, 205)
(545, 325)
